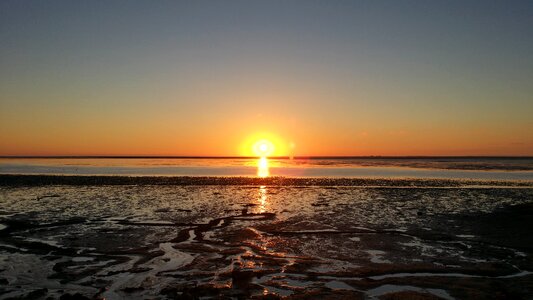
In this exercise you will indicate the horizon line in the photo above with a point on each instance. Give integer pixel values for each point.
(255, 157)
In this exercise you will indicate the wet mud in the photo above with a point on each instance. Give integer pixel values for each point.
(146, 241)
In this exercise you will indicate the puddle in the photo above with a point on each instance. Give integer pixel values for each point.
(390, 288)
(338, 285)
(82, 259)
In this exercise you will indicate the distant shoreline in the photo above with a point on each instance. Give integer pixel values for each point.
(255, 157)
(7, 180)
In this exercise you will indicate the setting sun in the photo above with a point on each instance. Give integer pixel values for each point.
(263, 148)
(264, 145)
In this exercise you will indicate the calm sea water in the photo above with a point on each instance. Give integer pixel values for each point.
(468, 168)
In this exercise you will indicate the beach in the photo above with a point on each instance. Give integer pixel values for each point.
(232, 150)
(150, 237)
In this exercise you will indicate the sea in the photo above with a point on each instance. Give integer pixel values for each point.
(477, 168)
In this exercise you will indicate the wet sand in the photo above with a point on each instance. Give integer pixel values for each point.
(297, 238)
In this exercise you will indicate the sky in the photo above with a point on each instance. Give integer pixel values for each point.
(314, 77)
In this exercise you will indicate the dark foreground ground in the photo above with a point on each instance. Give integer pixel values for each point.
(235, 238)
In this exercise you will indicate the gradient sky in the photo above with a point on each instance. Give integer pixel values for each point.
(210, 77)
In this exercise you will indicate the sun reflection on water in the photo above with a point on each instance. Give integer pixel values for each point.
(262, 167)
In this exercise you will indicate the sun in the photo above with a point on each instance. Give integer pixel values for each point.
(263, 148)
(264, 144)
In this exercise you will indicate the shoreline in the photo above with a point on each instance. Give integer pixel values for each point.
(101, 180)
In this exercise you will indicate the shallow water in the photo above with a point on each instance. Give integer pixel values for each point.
(456, 168)
(146, 241)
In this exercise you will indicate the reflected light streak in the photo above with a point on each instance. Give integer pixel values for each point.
(262, 167)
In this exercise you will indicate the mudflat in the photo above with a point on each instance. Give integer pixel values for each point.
(216, 237)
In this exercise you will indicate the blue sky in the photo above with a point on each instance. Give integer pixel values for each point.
(334, 77)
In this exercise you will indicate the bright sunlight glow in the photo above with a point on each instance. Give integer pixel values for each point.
(261, 144)
(263, 148)
(262, 167)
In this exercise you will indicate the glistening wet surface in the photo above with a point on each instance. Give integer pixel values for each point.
(266, 241)
(484, 168)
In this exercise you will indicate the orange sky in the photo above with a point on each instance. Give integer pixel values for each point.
(235, 136)
(208, 79)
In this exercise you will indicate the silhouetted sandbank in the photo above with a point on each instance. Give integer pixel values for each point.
(43, 180)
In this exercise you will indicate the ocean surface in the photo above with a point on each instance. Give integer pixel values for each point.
(511, 168)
